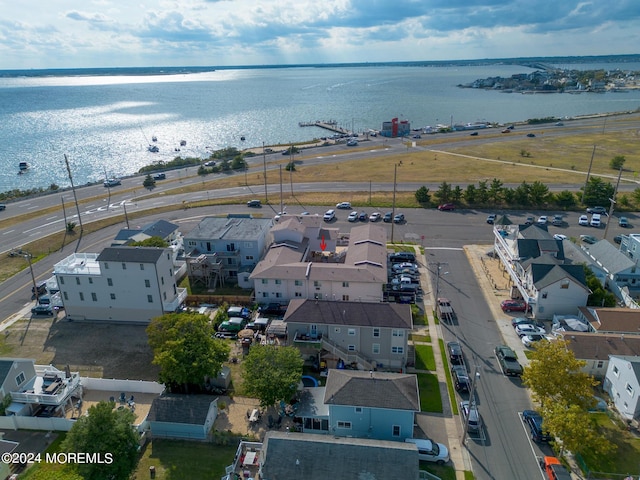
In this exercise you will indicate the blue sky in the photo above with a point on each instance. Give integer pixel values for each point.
(122, 33)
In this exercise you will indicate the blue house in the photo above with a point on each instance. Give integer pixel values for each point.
(376, 405)
(183, 416)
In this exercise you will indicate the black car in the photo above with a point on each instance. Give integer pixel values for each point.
(460, 378)
(402, 257)
(455, 353)
(42, 310)
(160, 176)
(534, 421)
(254, 203)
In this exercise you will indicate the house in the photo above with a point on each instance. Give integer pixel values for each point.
(595, 349)
(167, 231)
(220, 249)
(376, 405)
(182, 416)
(120, 284)
(313, 457)
(371, 335)
(621, 271)
(622, 383)
(305, 261)
(541, 274)
(395, 128)
(36, 389)
(620, 321)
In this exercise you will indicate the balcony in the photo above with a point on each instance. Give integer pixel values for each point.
(308, 339)
(348, 357)
(50, 386)
(246, 463)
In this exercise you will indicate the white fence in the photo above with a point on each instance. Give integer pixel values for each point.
(117, 385)
(16, 422)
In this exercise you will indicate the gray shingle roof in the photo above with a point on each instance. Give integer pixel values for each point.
(160, 228)
(610, 257)
(131, 254)
(322, 457)
(174, 408)
(213, 228)
(544, 275)
(396, 391)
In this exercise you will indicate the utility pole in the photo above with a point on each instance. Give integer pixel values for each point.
(75, 197)
(612, 201)
(264, 163)
(584, 190)
(438, 266)
(393, 207)
(126, 218)
(33, 278)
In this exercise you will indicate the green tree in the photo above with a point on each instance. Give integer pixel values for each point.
(154, 241)
(272, 373)
(148, 182)
(598, 297)
(483, 192)
(508, 196)
(457, 194)
(225, 166)
(565, 199)
(539, 194)
(186, 350)
(106, 431)
(444, 193)
(597, 192)
(471, 194)
(496, 191)
(71, 226)
(617, 162)
(290, 167)
(422, 195)
(202, 170)
(554, 376)
(521, 194)
(238, 163)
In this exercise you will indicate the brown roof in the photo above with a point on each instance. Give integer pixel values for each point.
(618, 320)
(363, 314)
(598, 346)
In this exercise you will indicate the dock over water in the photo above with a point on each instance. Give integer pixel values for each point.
(330, 125)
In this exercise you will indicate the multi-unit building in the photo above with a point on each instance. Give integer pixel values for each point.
(622, 383)
(121, 284)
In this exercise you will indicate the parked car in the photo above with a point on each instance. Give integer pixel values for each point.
(542, 220)
(471, 416)
(388, 217)
(560, 236)
(590, 239)
(598, 210)
(460, 378)
(557, 220)
(353, 216)
(399, 218)
(329, 215)
(455, 353)
(533, 420)
(529, 220)
(618, 239)
(595, 220)
(522, 320)
(375, 216)
(446, 207)
(513, 306)
(344, 205)
(508, 361)
(254, 203)
(491, 218)
(529, 340)
(42, 310)
(160, 176)
(623, 222)
(554, 470)
(583, 220)
(528, 329)
(363, 217)
(430, 451)
(402, 257)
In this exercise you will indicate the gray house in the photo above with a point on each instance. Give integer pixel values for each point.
(315, 457)
(182, 416)
(621, 271)
(596, 349)
(370, 335)
(622, 383)
(371, 404)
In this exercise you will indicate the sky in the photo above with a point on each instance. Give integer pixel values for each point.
(128, 33)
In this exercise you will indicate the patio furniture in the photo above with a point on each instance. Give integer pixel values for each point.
(123, 398)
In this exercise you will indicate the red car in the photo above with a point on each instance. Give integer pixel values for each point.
(513, 306)
(446, 206)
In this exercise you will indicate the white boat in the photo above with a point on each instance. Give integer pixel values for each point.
(153, 148)
(154, 139)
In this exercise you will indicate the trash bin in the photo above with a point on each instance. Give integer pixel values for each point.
(152, 471)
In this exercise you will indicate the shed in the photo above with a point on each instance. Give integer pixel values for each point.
(277, 328)
(182, 416)
(223, 380)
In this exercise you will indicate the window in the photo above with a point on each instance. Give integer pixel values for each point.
(629, 389)
(564, 283)
(113, 296)
(345, 284)
(77, 280)
(147, 283)
(90, 281)
(248, 244)
(142, 266)
(249, 257)
(265, 281)
(600, 364)
(278, 281)
(616, 372)
(20, 379)
(265, 295)
(344, 425)
(397, 333)
(171, 272)
(278, 295)
(229, 261)
(110, 282)
(150, 298)
(358, 409)
(208, 246)
(351, 348)
(351, 331)
(297, 294)
(175, 290)
(398, 350)
(106, 266)
(298, 283)
(94, 297)
(316, 283)
(231, 247)
(375, 348)
(162, 280)
(376, 332)
(192, 243)
(164, 295)
(124, 266)
(61, 278)
(345, 298)
(81, 297)
(395, 431)
(66, 297)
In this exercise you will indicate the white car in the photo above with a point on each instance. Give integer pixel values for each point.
(430, 451)
(344, 205)
(527, 329)
(583, 220)
(329, 215)
(353, 216)
(528, 340)
(542, 220)
(559, 236)
(375, 216)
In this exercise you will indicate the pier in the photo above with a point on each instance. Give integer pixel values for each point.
(330, 125)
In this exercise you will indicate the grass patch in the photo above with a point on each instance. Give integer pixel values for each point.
(420, 338)
(450, 388)
(184, 460)
(445, 472)
(424, 358)
(46, 471)
(430, 398)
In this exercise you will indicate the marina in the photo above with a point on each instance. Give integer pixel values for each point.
(330, 125)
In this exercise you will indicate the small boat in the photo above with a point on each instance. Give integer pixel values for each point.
(153, 148)
(23, 166)
(242, 138)
(154, 139)
(183, 143)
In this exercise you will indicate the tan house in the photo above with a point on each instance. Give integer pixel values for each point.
(611, 320)
(596, 349)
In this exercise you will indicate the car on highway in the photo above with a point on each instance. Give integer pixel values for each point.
(583, 220)
(352, 143)
(210, 163)
(353, 216)
(160, 176)
(491, 218)
(506, 130)
(399, 218)
(473, 134)
(531, 135)
(42, 310)
(375, 216)
(344, 205)
(560, 236)
(112, 182)
(471, 416)
(559, 124)
(533, 420)
(528, 329)
(388, 217)
(430, 451)
(508, 361)
(513, 306)
(590, 239)
(460, 378)
(2, 207)
(446, 207)
(598, 210)
(329, 215)
(623, 222)
(455, 353)
(254, 203)
(543, 220)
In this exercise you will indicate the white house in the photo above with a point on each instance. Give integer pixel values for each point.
(121, 284)
(622, 383)
(304, 261)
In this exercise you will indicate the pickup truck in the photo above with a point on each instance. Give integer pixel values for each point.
(508, 362)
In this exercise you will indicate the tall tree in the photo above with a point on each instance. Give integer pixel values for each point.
(495, 191)
(106, 431)
(471, 194)
(565, 199)
(617, 162)
(539, 194)
(272, 373)
(521, 194)
(444, 193)
(456, 194)
(186, 350)
(422, 195)
(483, 192)
(598, 192)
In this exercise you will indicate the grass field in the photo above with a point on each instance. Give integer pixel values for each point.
(424, 358)
(430, 398)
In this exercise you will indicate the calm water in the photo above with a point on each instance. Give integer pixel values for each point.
(104, 123)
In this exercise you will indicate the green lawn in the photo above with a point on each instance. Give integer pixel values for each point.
(430, 398)
(51, 471)
(450, 389)
(420, 338)
(424, 358)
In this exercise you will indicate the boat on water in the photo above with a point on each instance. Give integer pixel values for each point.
(242, 138)
(183, 143)
(154, 139)
(153, 148)
(23, 166)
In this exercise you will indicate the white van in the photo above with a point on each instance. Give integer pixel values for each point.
(430, 451)
(595, 220)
